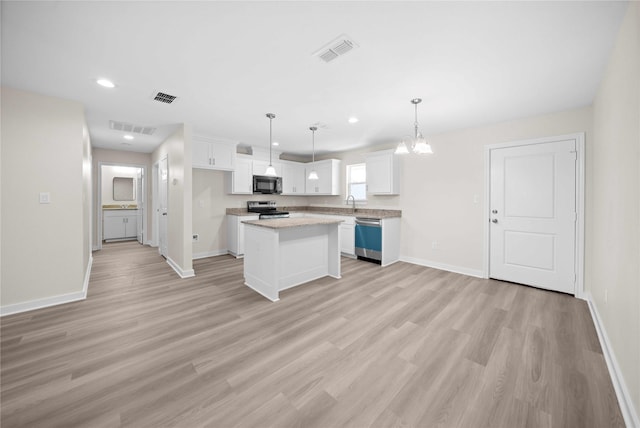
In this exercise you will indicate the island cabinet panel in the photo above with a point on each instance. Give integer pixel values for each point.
(299, 251)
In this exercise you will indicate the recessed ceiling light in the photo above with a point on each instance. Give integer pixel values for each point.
(128, 137)
(106, 83)
(353, 120)
(275, 143)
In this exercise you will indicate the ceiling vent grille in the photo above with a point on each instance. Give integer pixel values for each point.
(129, 127)
(164, 98)
(335, 48)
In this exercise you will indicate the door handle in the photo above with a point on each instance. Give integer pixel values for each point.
(495, 220)
(164, 213)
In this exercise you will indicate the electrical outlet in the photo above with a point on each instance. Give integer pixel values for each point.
(435, 245)
(196, 237)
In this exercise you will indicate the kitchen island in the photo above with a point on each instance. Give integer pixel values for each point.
(285, 252)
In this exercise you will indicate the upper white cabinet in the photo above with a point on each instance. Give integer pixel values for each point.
(240, 181)
(328, 182)
(383, 173)
(293, 178)
(209, 154)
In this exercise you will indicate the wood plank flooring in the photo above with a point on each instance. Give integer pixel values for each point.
(401, 346)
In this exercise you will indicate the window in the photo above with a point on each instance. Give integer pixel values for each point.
(357, 181)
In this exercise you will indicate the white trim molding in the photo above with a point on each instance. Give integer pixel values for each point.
(629, 413)
(42, 303)
(87, 276)
(478, 273)
(206, 254)
(181, 273)
(61, 299)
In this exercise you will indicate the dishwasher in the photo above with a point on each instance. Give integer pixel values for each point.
(369, 239)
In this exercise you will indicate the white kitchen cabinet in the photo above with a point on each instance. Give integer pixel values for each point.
(383, 173)
(260, 167)
(120, 224)
(240, 181)
(348, 239)
(347, 232)
(293, 178)
(235, 233)
(208, 154)
(328, 182)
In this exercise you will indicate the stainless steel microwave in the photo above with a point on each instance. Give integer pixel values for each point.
(267, 185)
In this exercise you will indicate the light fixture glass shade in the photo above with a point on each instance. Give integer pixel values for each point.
(271, 171)
(421, 146)
(313, 175)
(402, 148)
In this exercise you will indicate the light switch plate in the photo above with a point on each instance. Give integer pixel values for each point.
(45, 197)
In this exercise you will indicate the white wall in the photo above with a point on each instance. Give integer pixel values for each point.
(438, 192)
(177, 149)
(121, 157)
(45, 149)
(613, 221)
(209, 204)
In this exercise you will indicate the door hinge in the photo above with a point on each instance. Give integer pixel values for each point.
(574, 154)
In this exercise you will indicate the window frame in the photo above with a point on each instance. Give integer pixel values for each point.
(349, 183)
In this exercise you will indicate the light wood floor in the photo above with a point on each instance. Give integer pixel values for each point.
(386, 347)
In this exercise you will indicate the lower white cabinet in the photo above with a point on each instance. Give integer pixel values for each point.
(235, 233)
(120, 224)
(348, 237)
(347, 232)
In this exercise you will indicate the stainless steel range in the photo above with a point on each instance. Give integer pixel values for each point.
(266, 209)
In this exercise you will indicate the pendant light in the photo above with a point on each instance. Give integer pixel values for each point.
(313, 175)
(271, 171)
(419, 144)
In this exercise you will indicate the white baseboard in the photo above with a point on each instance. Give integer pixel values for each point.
(206, 254)
(629, 413)
(32, 305)
(181, 273)
(478, 273)
(42, 303)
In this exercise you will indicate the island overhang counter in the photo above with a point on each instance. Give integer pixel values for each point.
(284, 252)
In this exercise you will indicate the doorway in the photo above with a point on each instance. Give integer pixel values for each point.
(534, 228)
(161, 177)
(121, 203)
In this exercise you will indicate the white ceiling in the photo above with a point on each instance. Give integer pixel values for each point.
(231, 62)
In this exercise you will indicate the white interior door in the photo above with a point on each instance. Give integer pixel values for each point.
(163, 177)
(533, 215)
(141, 207)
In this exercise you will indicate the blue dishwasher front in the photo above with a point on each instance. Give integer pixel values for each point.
(369, 238)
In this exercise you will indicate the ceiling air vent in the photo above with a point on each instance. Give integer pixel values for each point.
(129, 127)
(164, 98)
(335, 48)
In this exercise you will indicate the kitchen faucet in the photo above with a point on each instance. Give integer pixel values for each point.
(353, 209)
